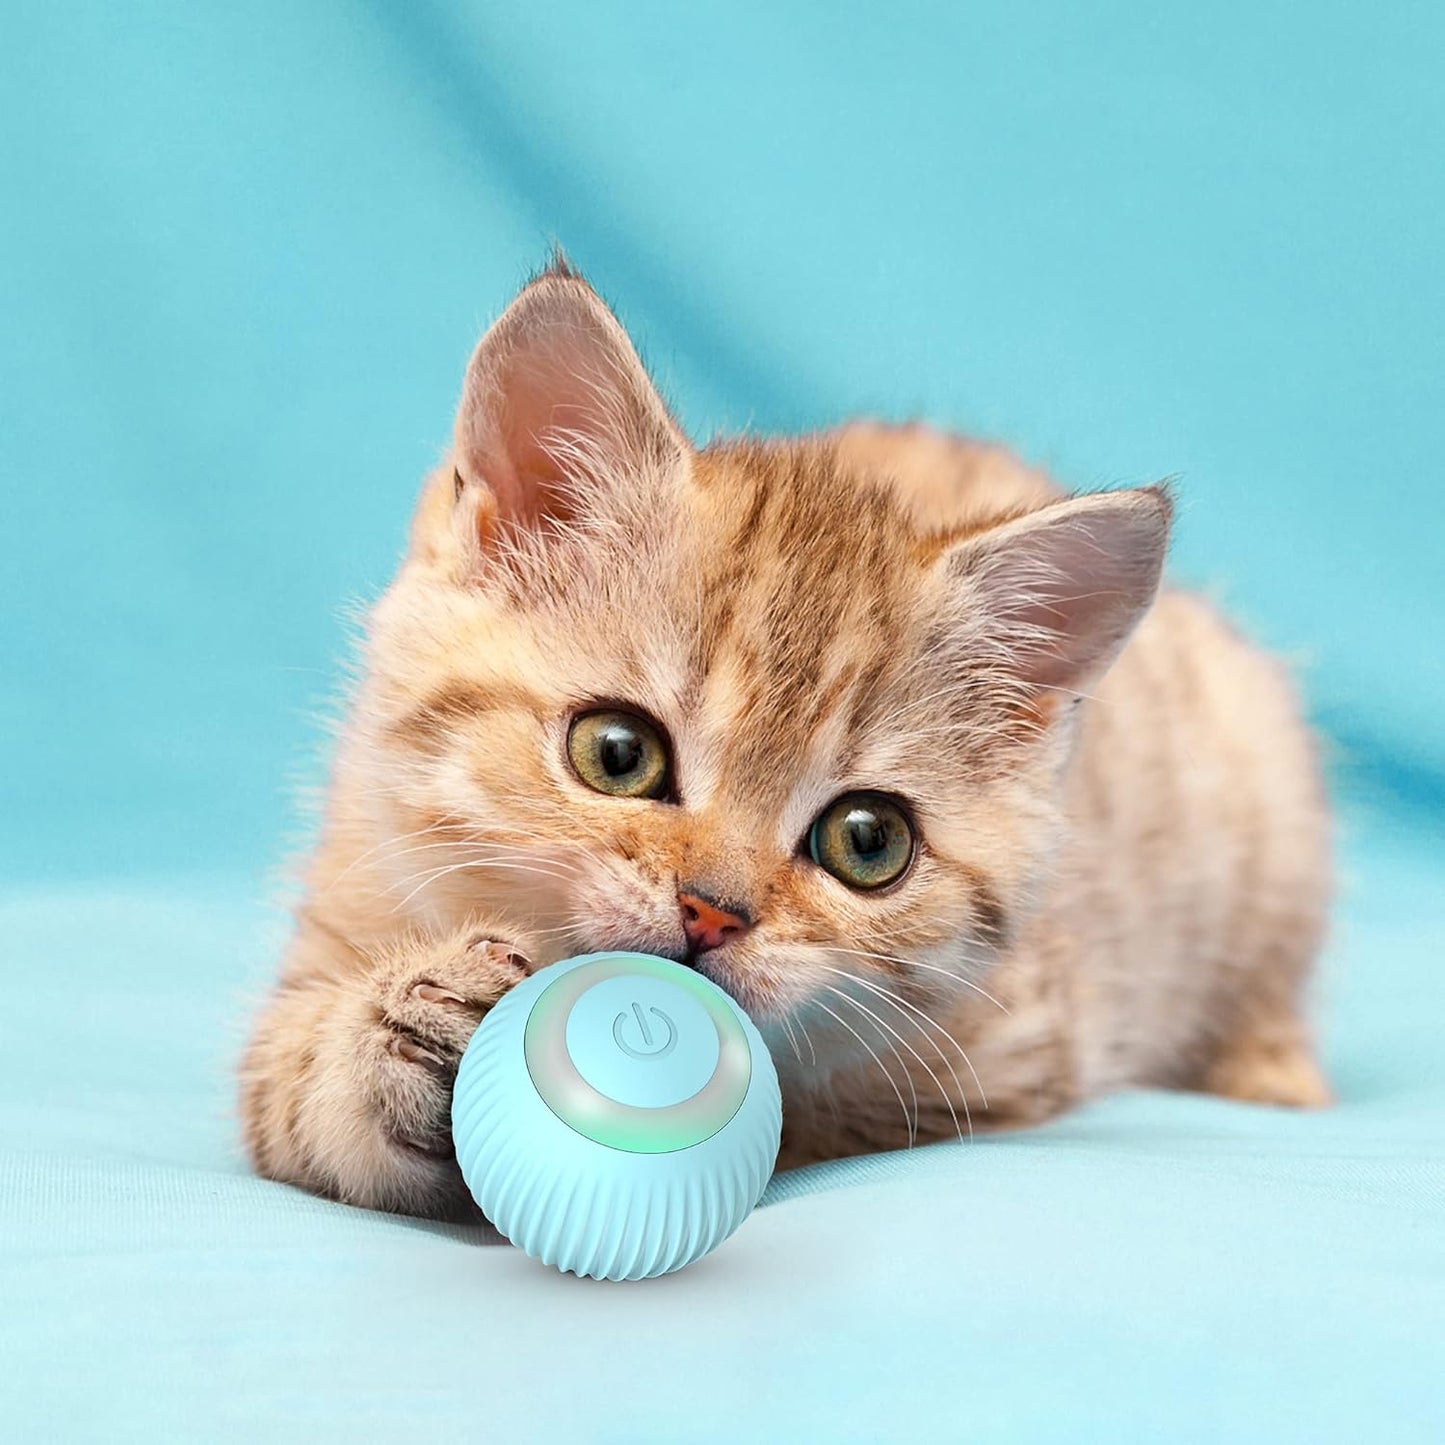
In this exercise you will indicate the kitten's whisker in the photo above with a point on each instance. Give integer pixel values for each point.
(808, 1039)
(918, 963)
(962, 1052)
(548, 932)
(381, 858)
(896, 1003)
(475, 859)
(1070, 692)
(521, 865)
(882, 1068)
(376, 848)
(966, 982)
(792, 1037)
(899, 1003)
(477, 842)
(907, 1072)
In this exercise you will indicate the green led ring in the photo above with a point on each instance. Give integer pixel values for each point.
(624, 1126)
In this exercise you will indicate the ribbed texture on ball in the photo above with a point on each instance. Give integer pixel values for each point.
(582, 1206)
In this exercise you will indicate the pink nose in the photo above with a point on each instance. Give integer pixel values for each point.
(708, 926)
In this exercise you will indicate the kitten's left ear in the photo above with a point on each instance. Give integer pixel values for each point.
(1054, 595)
(556, 403)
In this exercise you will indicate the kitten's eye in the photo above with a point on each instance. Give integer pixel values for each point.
(863, 839)
(619, 753)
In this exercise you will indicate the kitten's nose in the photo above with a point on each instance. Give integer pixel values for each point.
(708, 926)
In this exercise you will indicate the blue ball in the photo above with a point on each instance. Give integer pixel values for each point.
(617, 1115)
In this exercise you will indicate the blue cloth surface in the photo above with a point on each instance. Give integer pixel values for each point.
(1153, 1267)
(244, 252)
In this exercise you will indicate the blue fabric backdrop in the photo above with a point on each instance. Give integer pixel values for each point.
(244, 252)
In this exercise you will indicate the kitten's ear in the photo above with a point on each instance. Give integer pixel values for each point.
(1057, 593)
(555, 402)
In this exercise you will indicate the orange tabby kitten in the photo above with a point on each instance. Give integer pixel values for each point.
(877, 729)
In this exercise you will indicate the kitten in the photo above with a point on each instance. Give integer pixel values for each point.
(877, 729)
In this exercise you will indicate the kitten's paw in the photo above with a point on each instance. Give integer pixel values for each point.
(1273, 1064)
(430, 997)
(433, 996)
(346, 1084)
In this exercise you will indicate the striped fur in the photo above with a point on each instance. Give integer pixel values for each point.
(1123, 874)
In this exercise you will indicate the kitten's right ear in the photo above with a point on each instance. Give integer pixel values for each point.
(1057, 592)
(556, 412)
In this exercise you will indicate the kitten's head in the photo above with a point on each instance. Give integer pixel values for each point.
(746, 706)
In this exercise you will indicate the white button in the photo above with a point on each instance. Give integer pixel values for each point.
(642, 1041)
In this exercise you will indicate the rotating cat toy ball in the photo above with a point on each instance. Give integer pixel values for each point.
(617, 1115)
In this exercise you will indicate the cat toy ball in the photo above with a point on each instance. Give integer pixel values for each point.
(617, 1115)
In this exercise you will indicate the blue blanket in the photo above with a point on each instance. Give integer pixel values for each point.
(243, 255)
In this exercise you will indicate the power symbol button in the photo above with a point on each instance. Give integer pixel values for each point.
(642, 1042)
(644, 1033)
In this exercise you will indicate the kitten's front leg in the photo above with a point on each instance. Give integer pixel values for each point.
(346, 1085)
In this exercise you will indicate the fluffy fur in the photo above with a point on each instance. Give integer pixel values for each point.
(1123, 871)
